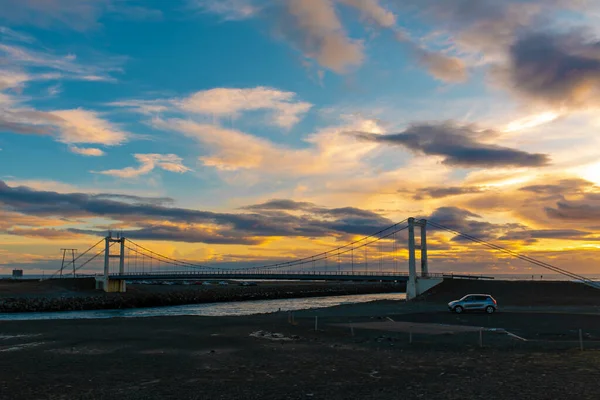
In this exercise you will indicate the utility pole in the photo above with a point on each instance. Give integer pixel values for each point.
(62, 266)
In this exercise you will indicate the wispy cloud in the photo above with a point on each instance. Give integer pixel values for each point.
(229, 10)
(283, 109)
(74, 14)
(168, 162)
(89, 151)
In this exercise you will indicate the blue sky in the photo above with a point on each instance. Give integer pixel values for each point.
(448, 108)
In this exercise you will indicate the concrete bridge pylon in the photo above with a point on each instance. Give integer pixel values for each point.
(103, 282)
(416, 284)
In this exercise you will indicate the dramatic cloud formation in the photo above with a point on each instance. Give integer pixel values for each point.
(468, 222)
(168, 162)
(559, 70)
(459, 145)
(586, 208)
(319, 222)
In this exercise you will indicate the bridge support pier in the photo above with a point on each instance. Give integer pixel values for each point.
(418, 285)
(103, 282)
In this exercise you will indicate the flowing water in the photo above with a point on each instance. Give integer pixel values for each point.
(210, 309)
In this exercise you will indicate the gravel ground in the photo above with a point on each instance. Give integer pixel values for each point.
(240, 358)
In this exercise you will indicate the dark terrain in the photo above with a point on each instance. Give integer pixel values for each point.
(217, 358)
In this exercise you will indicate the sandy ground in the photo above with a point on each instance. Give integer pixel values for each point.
(267, 357)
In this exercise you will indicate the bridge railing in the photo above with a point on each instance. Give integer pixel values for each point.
(374, 274)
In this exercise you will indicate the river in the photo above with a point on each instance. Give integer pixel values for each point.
(209, 309)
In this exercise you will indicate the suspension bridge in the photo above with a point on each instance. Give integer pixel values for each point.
(380, 256)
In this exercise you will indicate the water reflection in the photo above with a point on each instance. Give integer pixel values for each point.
(210, 309)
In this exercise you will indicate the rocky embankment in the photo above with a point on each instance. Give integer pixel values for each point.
(148, 296)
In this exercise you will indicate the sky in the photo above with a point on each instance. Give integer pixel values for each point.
(223, 131)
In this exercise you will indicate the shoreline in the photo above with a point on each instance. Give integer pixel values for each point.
(52, 298)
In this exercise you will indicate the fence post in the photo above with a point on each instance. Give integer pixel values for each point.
(581, 340)
(316, 323)
(481, 338)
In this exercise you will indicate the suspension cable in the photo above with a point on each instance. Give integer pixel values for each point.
(517, 255)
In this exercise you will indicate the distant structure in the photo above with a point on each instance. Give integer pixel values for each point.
(17, 273)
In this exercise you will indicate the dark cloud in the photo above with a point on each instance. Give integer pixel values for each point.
(44, 233)
(179, 234)
(25, 129)
(136, 199)
(281, 204)
(469, 223)
(586, 208)
(559, 189)
(441, 192)
(560, 69)
(318, 222)
(459, 145)
(532, 235)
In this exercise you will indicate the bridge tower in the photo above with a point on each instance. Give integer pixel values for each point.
(416, 284)
(104, 283)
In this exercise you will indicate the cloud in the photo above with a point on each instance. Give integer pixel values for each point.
(229, 10)
(371, 10)
(467, 222)
(43, 233)
(532, 235)
(173, 233)
(168, 162)
(586, 208)
(68, 126)
(228, 102)
(284, 110)
(561, 70)
(281, 204)
(83, 126)
(322, 222)
(74, 14)
(24, 129)
(12, 79)
(459, 145)
(444, 68)
(441, 192)
(231, 150)
(86, 151)
(559, 189)
(315, 28)
(61, 66)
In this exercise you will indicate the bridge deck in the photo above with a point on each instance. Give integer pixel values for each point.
(322, 276)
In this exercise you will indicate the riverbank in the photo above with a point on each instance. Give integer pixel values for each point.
(69, 295)
(269, 357)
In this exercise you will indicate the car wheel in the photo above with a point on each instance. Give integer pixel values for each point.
(490, 309)
(458, 309)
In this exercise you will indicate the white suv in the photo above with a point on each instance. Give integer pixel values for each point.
(474, 302)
